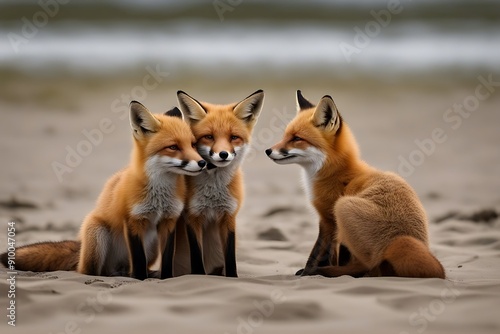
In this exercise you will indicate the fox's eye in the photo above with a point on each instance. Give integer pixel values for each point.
(296, 138)
(235, 137)
(209, 137)
(173, 148)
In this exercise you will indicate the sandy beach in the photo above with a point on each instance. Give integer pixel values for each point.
(276, 227)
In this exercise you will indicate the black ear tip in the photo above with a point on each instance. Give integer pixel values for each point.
(174, 112)
(303, 102)
(179, 92)
(136, 104)
(327, 97)
(260, 91)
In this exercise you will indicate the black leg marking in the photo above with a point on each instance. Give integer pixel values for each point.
(217, 271)
(344, 255)
(154, 274)
(230, 256)
(139, 263)
(386, 269)
(167, 259)
(324, 260)
(91, 269)
(316, 255)
(197, 266)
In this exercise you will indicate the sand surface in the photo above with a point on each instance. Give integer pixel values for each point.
(276, 228)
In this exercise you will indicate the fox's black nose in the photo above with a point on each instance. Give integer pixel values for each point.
(269, 151)
(202, 163)
(223, 155)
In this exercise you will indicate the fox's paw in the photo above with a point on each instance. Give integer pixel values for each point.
(299, 272)
(140, 276)
(309, 271)
(154, 274)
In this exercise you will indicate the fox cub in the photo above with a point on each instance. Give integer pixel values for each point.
(214, 197)
(135, 216)
(371, 222)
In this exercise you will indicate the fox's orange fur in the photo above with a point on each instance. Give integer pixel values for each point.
(371, 222)
(214, 197)
(135, 215)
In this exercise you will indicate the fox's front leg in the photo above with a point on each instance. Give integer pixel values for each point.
(228, 241)
(318, 256)
(323, 252)
(194, 227)
(166, 237)
(135, 230)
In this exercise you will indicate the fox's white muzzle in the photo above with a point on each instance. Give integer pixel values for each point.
(219, 159)
(158, 164)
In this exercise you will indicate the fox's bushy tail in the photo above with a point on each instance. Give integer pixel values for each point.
(45, 256)
(409, 257)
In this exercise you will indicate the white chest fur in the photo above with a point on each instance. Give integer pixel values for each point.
(161, 198)
(312, 165)
(307, 181)
(212, 196)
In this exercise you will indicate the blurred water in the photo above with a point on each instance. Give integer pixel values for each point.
(425, 37)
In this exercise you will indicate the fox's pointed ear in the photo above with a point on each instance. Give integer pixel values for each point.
(175, 112)
(141, 120)
(190, 107)
(302, 102)
(327, 115)
(249, 109)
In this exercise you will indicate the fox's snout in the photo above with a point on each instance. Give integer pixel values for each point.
(200, 163)
(284, 156)
(222, 156)
(180, 166)
(277, 153)
(220, 159)
(193, 165)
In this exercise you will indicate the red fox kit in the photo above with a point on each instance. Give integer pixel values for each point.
(371, 222)
(214, 197)
(136, 213)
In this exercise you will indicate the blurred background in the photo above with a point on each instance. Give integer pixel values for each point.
(395, 69)
(227, 39)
